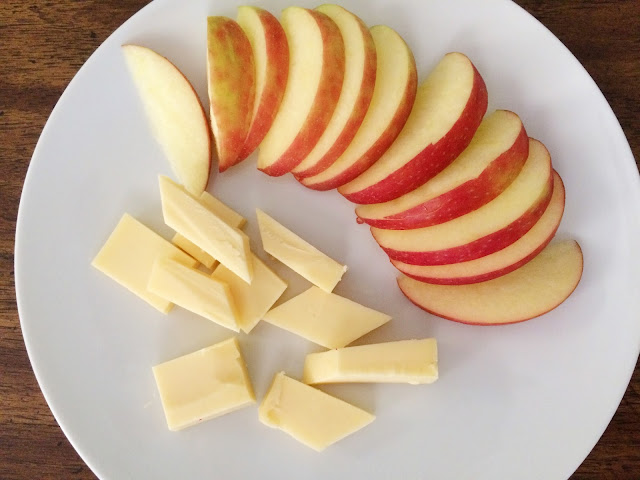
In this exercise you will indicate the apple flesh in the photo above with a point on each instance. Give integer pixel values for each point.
(483, 231)
(483, 170)
(355, 97)
(316, 74)
(530, 291)
(271, 57)
(501, 262)
(176, 116)
(231, 81)
(448, 109)
(393, 96)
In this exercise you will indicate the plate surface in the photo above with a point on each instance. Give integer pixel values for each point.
(525, 401)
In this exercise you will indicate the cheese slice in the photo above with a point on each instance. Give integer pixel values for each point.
(405, 361)
(252, 301)
(195, 291)
(226, 213)
(190, 218)
(129, 254)
(194, 251)
(309, 415)
(300, 256)
(203, 385)
(325, 318)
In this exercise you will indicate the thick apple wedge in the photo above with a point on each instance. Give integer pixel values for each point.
(501, 262)
(393, 96)
(355, 97)
(483, 170)
(316, 74)
(271, 57)
(483, 231)
(177, 118)
(231, 80)
(530, 291)
(448, 109)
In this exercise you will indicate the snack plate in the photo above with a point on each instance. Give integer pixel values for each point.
(524, 401)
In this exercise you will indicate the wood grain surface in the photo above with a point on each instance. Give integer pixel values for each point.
(42, 46)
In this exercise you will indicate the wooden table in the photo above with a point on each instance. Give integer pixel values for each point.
(43, 44)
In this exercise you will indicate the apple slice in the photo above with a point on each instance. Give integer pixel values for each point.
(485, 230)
(316, 74)
(448, 108)
(271, 57)
(393, 96)
(357, 91)
(177, 118)
(231, 79)
(501, 262)
(530, 291)
(487, 166)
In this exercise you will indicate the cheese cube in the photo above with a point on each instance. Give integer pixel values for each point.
(129, 254)
(405, 361)
(252, 301)
(194, 291)
(300, 256)
(225, 213)
(203, 385)
(190, 218)
(309, 415)
(325, 318)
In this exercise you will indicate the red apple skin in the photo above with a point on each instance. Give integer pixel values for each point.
(483, 246)
(230, 81)
(325, 101)
(359, 111)
(499, 272)
(486, 276)
(275, 82)
(433, 158)
(380, 146)
(464, 198)
(489, 324)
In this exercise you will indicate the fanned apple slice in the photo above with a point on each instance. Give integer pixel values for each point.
(483, 231)
(316, 73)
(177, 118)
(231, 79)
(501, 262)
(483, 170)
(530, 291)
(357, 91)
(271, 58)
(393, 96)
(448, 108)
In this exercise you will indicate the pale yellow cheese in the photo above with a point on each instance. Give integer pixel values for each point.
(226, 213)
(193, 250)
(129, 254)
(309, 415)
(404, 361)
(195, 291)
(252, 301)
(325, 318)
(297, 254)
(203, 385)
(190, 218)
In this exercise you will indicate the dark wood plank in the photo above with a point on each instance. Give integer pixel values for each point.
(43, 45)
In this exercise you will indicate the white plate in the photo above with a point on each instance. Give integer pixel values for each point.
(526, 401)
